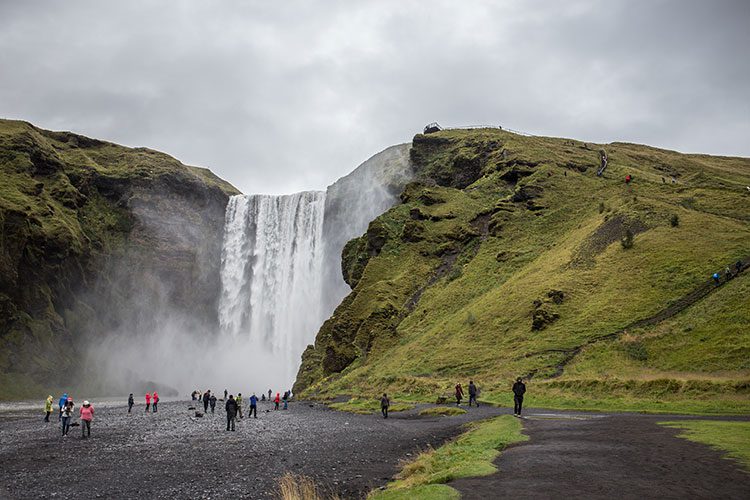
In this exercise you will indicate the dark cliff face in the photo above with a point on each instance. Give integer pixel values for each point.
(93, 236)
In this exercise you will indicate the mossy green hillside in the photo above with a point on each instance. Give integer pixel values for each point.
(504, 259)
(732, 438)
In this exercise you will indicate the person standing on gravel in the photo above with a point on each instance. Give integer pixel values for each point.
(225, 394)
(238, 399)
(231, 407)
(385, 403)
(276, 401)
(459, 394)
(472, 393)
(61, 404)
(212, 402)
(519, 389)
(67, 415)
(253, 406)
(156, 400)
(87, 415)
(148, 401)
(48, 408)
(206, 398)
(269, 394)
(131, 402)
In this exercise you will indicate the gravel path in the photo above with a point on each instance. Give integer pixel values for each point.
(170, 454)
(607, 456)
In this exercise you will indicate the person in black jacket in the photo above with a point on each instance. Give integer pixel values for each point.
(206, 399)
(212, 402)
(473, 393)
(231, 407)
(131, 402)
(519, 389)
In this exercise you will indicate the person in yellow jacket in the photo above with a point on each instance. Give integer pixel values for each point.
(47, 408)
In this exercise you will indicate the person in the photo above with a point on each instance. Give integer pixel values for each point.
(263, 397)
(738, 267)
(238, 399)
(385, 403)
(192, 395)
(269, 394)
(131, 402)
(156, 400)
(87, 415)
(231, 407)
(459, 394)
(628, 178)
(48, 408)
(286, 399)
(253, 406)
(206, 399)
(716, 277)
(148, 401)
(61, 404)
(472, 393)
(67, 415)
(212, 402)
(519, 389)
(225, 394)
(276, 401)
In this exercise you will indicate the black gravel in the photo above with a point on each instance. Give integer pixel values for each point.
(173, 454)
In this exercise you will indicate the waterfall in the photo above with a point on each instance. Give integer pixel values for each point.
(271, 275)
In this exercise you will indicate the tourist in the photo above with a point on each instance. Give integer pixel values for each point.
(206, 399)
(131, 402)
(262, 397)
(459, 394)
(717, 278)
(269, 394)
(87, 415)
(156, 400)
(225, 394)
(519, 389)
(212, 402)
(253, 406)
(192, 395)
(67, 415)
(148, 401)
(472, 393)
(238, 399)
(385, 403)
(277, 401)
(286, 399)
(231, 408)
(48, 408)
(61, 404)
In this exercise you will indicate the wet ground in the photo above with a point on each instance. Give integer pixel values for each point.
(173, 454)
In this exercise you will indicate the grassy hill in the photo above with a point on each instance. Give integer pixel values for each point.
(505, 259)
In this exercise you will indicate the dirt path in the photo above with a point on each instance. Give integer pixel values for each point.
(168, 454)
(607, 456)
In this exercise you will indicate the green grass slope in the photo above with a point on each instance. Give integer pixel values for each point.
(505, 259)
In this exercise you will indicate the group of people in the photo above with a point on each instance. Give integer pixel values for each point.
(152, 402)
(234, 404)
(729, 273)
(473, 393)
(67, 411)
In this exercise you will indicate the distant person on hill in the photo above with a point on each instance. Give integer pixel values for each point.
(238, 399)
(472, 393)
(148, 401)
(156, 400)
(519, 389)
(628, 178)
(131, 402)
(212, 402)
(206, 398)
(48, 408)
(717, 278)
(276, 401)
(385, 403)
(231, 407)
(459, 394)
(67, 415)
(61, 404)
(253, 406)
(87, 415)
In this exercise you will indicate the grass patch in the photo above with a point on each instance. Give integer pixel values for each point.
(471, 455)
(363, 406)
(442, 410)
(733, 438)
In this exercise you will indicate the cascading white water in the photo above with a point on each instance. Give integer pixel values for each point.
(271, 275)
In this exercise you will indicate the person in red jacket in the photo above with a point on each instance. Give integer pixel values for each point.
(148, 401)
(459, 394)
(276, 401)
(87, 415)
(156, 400)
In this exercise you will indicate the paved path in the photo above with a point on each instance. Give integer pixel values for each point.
(588, 456)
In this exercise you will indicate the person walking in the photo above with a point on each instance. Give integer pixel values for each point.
(717, 278)
(385, 403)
(253, 406)
(225, 394)
(212, 402)
(156, 400)
(67, 415)
(459, 394)
(519, 389)
(87, 415)
(48, 408)
(286, 400)
(148, 401)
(238, 399)
(131, 402)
(276, 401)
(231, 407)
(206, 398)
(61, 403)
(472, 393)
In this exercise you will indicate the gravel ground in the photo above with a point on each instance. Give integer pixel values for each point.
(173, 454)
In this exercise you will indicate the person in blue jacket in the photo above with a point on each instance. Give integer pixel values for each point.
(61, 404)
(253, 406)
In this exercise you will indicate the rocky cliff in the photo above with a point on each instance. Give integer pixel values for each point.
(93, 237)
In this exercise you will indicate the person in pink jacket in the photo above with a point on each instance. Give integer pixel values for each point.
(156, 400)
(148, 401)
(87, 415)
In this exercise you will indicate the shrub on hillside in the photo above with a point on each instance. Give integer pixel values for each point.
(627, 240)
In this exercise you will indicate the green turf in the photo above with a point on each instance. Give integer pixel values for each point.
(442, 410)
(733, 438)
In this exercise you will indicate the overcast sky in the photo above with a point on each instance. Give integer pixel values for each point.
(278, 97)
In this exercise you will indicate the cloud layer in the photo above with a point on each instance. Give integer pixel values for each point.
(278, 97)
